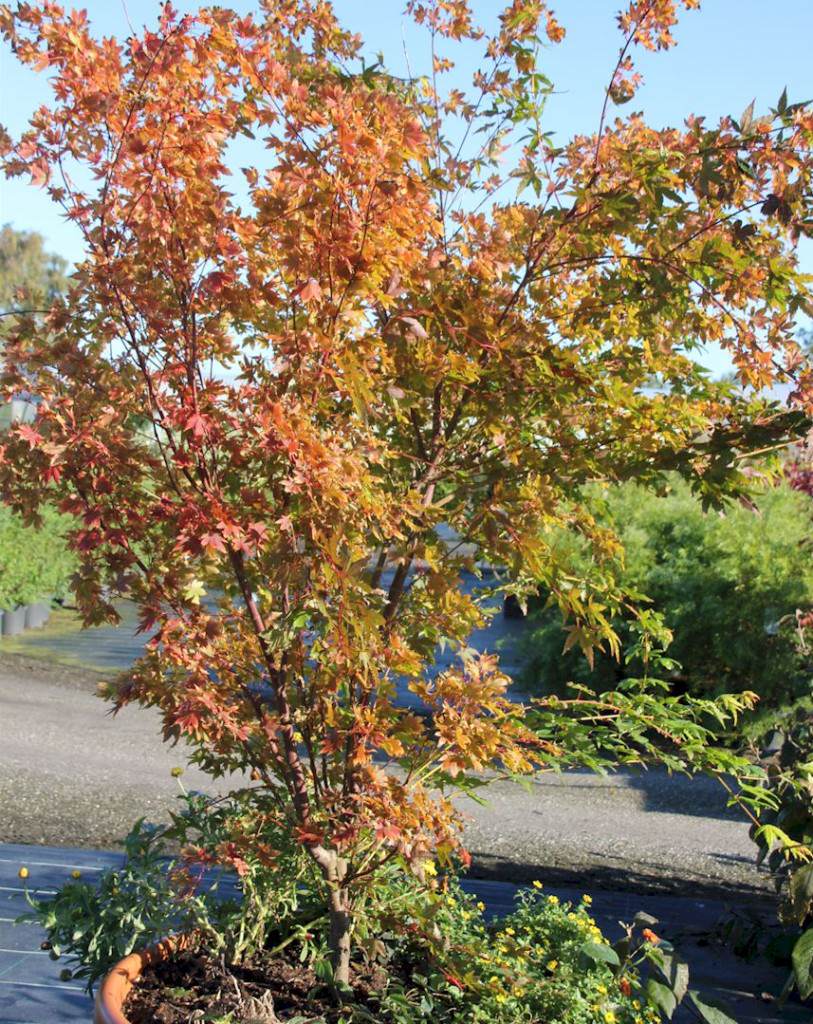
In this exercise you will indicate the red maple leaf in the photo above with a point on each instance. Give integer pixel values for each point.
(196, 424)
(27, 433)
(213, 542)
(310, 291)
(308, 836)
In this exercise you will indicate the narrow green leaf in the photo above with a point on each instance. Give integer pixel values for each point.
(802, 957)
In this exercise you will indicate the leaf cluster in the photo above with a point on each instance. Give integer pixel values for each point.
(727, 585)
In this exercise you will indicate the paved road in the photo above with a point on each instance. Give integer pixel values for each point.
(72, 775)
(113, 648)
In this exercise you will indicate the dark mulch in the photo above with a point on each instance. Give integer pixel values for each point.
(264, 990)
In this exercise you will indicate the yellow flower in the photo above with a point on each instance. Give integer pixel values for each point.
(465, 915)
(537, 884)
(481, 906)
(501, 997)
(571, 916)
(76, 873)
(519, 992)
(23, 872)
(602, 990)
(553, 899)
(552, 965)
(609, 1017)
(494, 981)
(510, 931)
(587, 900)
(636, 1004)
(430, 868)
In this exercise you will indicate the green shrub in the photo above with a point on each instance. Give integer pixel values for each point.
(35, 563)
(727, 585)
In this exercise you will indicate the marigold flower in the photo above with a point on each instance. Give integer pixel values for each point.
(649, 936)
(553, 899)
(22, 873)
(625, 986)
(587, 900)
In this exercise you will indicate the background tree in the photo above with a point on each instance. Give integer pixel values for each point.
(374, 342)
(29, 275)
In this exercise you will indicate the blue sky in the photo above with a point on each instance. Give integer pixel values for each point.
(729, 53)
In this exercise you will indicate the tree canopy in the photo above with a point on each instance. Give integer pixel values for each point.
(29, 275)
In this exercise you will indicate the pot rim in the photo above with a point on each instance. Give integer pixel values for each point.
(117, 983)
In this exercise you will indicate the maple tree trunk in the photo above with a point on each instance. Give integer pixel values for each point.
(339, 938)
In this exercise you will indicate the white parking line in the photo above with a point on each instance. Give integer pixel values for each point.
(52, 864)
(41, 984)
(16, 888)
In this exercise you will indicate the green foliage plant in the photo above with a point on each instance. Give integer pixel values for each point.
(725, 582)
(36, 562)
(446, 963)
(784, 834)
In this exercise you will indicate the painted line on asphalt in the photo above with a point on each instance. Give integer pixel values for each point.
(40, 984)
(52, 864)
(16, 888)
(25, 952)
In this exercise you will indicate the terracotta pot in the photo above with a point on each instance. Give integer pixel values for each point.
(117, 984)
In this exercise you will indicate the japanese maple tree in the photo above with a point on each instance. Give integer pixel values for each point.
(267, 389)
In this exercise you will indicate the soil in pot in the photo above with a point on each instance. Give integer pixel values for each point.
(268, 987)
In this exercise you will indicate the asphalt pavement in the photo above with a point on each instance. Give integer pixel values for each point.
(71, 774)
